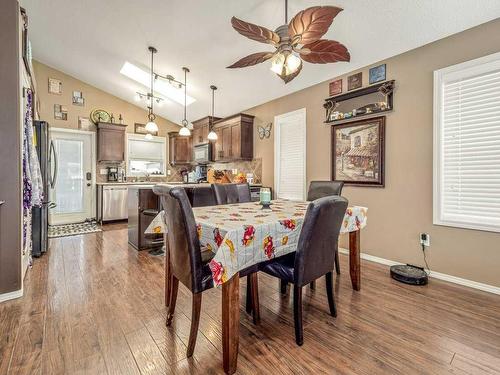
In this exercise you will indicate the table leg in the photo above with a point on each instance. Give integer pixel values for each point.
(230, 323)
(354, 260)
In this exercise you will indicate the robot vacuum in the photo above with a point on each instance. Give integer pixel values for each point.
(408, 274)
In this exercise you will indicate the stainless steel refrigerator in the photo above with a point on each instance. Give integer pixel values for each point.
(48, 166)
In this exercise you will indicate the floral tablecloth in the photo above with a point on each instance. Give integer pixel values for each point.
(244, 234)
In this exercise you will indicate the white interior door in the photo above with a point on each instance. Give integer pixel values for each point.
(290, 155)
(72, 185)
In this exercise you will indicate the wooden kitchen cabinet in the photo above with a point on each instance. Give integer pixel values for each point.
(180, 149)
(234, 138)
(201, 129)
(110, 142)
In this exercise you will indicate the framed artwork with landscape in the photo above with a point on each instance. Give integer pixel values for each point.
(358, 149)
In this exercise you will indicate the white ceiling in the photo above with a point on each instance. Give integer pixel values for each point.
(91, 39)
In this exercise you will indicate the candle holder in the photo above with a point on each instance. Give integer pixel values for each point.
(265, 198)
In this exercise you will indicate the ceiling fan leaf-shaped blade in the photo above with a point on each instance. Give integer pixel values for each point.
(253, 59)
(255, 32)
(325, 51)
(312, 23)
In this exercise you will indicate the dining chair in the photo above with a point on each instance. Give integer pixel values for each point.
(238, 193)
(314, 257)
(186, 261)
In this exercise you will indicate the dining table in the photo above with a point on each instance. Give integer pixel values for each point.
(244, 234)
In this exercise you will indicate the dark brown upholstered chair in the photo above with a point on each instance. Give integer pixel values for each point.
(238, 193)
(314, 257)
(186, 261)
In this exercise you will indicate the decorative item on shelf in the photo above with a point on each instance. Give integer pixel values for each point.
(386, 89)
(330, 106)
(377, 74)
(355, 81)
(300, 40)
(60, 112)
(336, 87)
(84, 123)
(358, 152)
(120, 119)
(212, 135)
(55, 86)
(184, 131)
(112, 119)
(78, 99)
(265, 131)
(99, 115)
(141, 129)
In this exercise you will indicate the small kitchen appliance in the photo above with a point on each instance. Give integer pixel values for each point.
(112, 174)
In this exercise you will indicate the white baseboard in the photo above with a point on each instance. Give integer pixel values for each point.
(437, 275)
(11, 295)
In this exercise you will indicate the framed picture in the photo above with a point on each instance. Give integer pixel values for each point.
(377, 74)
(60, 112)
(141, 129)
(355, 81)
(84, 123)
(336, 87)
(78, 98)
(358, 152)
(55, 86)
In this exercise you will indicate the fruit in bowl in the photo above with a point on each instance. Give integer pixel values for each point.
(240, 178)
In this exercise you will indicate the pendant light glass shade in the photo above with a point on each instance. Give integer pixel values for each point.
(185, 132)
(148, 137)
(212, 136)
(151, 127)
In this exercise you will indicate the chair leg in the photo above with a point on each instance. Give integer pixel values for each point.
(195, 322)
(248, 303)
(312, 285)
(337, 262)
(174, 287)
(329, 292)
(168, 277)
(297, 314)
(253, 280)
(283, 285)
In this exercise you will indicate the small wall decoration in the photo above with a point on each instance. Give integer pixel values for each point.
(377, 74)
(99, 115)
(60, 112)
(355, 81)
(78, 98)
(141, 129)
(336, 87)
(265, 131)
(358, 152)
(55, 86)
(84, 123)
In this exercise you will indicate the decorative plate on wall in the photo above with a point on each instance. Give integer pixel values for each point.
(99, 115)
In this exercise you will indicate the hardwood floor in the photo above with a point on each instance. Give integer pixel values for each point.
(94, 305)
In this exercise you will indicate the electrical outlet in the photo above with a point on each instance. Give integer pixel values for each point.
(103, 171)
(425, 239)
(169, 172)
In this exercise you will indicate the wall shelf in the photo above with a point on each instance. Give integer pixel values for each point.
(383, 89)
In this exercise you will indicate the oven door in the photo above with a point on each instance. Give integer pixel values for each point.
(202, 153)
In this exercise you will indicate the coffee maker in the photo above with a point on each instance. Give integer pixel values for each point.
(201, 171)
(112, 174)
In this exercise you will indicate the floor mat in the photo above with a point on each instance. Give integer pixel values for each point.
(73, 229)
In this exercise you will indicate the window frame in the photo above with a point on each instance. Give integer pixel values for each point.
(155, 139)
(466, 69)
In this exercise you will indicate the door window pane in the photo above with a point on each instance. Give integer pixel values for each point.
(70, 176)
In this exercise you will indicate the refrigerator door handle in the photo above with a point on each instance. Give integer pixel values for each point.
(53, 152)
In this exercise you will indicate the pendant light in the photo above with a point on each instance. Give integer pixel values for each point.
(151, 126)
(185, 132)
(212, 136)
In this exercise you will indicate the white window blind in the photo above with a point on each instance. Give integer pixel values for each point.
(467, 144)
(290, 155)
(146, 156)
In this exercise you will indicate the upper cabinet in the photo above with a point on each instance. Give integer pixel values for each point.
(201, 129)
(180, 149)
(110, 142)
(234, 138)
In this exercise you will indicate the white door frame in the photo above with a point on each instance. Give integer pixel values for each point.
(277, 119)
(93, 162)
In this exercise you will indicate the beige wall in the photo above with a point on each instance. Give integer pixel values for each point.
(403, 209)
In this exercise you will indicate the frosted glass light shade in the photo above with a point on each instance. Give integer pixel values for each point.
(151, 127)
(184, 131)
(148, 137)
(212, 136)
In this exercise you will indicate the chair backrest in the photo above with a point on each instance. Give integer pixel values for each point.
(183, 243)
(231, 193)
(318, 239)
(203, 196)
(320, 189)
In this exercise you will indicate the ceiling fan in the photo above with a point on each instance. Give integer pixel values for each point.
(300, 40)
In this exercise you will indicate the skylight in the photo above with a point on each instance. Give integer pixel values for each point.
(161, 86)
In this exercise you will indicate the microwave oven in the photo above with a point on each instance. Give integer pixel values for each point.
(202, 154)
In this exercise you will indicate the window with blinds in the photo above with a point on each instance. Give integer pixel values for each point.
(146, 156)
(290, 155)
(467, 144)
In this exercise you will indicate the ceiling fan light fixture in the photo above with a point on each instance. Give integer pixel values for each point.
(277, 63)
(292, 63)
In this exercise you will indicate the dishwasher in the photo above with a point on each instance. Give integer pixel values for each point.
(113, 203)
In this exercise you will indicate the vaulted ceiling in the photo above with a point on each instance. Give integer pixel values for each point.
(91, 39)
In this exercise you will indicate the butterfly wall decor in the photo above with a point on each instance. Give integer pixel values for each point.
(265, 131)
